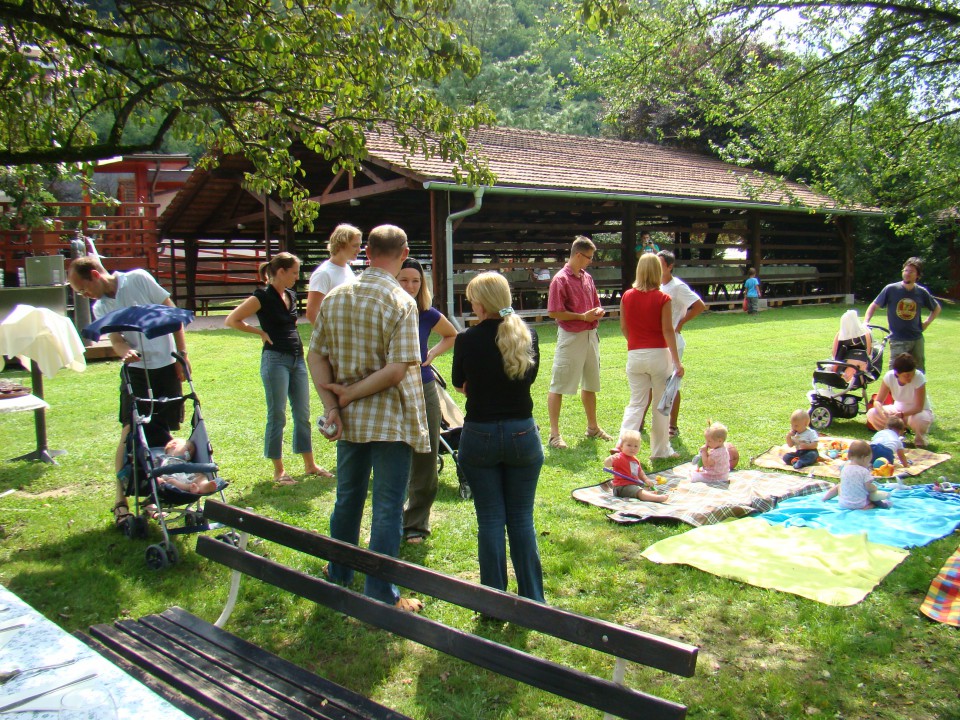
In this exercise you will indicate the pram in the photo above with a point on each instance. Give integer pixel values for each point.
(142, 468)
(451, 425)
(840, 385)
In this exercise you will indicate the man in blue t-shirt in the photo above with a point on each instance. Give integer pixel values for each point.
(903, 301)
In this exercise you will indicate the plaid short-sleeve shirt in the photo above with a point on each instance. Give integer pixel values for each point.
(362, 327)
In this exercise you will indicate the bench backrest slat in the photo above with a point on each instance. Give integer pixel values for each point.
(633, 645)
(537, 672)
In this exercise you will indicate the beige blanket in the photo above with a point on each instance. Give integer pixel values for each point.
(698, 503)
(830, 467)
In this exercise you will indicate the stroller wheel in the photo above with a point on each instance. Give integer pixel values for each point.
(157, 557)
(820, 417)
(192, 518)
(173, 555)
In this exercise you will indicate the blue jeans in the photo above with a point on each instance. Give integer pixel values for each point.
(390, 462)
(882, 451)
(801, 458)
(501, 462)
(284, 376)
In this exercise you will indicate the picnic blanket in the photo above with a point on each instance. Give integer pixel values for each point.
(918, 516)
(698, 503)
(943, 598)
(810, 563)
(827, 467)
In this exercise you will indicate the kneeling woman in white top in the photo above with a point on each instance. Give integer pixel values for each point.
(908, 387)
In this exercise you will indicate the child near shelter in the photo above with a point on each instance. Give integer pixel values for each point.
(856, 488)
(803, 439)
(889, 442)
(179, 451)
(629, 478)
(713, 462)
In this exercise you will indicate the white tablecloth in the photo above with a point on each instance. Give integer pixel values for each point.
(22, 404)
(40, 642)
(42, 335)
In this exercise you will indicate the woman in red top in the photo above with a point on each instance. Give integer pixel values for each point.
(645, 321)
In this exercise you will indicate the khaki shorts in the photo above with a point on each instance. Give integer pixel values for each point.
(576, 362)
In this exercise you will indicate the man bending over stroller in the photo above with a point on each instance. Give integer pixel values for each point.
(177, 452)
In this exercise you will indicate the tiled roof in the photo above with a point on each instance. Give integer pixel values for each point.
(535, 159)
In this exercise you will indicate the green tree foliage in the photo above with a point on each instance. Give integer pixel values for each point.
(81, 81)
(524, 80)
(859, 99)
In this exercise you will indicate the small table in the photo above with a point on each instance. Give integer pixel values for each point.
(29, 640)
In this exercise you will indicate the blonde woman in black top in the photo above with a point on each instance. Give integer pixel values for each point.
(282, 367)
(500, 453)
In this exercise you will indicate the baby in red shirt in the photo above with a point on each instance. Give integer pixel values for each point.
(629, 480)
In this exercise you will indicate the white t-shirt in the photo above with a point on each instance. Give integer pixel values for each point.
(853, 493)
(889, 439)
(903, 394)
(134, 288)
(682, 298)
(329, 275)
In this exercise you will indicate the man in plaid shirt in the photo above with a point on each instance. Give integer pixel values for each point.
(365, 363)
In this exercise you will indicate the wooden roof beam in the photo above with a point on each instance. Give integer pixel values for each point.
(381, 188)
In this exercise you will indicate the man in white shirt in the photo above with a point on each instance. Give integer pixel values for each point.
(344, 246)
(686, 306)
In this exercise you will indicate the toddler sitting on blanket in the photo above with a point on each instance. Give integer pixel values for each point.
(179, 451)
(713, 462)
(628, 476)
(856, 488)
(803, 439)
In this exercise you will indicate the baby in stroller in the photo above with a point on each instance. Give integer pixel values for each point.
(840, 384)
(177, 452)
(852, 345)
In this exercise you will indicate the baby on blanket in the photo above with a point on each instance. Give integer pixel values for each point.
(628, 476)
(856, 488)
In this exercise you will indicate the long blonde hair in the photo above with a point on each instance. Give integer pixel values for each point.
(649, 272)
(492, 291)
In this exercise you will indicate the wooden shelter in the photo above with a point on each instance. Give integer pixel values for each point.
(718, 218)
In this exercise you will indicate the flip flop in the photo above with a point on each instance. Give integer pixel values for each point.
(319, 472)
(285, 480)
(414, 539)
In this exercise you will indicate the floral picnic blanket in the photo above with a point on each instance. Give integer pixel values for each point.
(943, 598)
(697, 503)
(830, 467)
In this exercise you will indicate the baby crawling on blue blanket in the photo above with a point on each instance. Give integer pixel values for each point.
(856, 488)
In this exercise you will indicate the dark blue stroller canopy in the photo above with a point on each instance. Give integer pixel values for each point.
(151, 320)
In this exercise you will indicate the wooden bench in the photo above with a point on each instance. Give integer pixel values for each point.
(240, 675)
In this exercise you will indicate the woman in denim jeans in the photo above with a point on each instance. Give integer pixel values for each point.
(500, 453)
(282, 367)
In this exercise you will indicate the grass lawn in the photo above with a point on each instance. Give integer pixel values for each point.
(764, 654)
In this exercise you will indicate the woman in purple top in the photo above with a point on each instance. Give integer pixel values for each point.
(422, 489)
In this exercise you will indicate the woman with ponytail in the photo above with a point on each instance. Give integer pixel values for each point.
(500, 454)
(282, 366)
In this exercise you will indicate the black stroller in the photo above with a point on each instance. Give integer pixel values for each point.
(144, 464)
(840, 385)
(451, 425)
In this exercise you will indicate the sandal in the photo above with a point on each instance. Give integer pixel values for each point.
(557, 442)
(285, 480)
(411, 605)
(319, 472)
(674, 431)
(121, 512)
(599, 434)
(414, 539)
